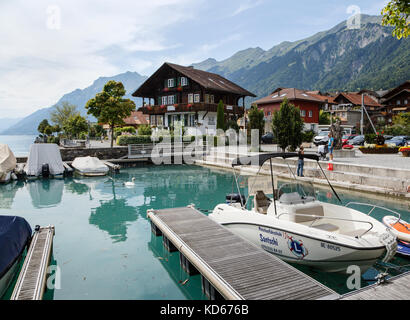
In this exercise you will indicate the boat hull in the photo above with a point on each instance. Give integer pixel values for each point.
(291, 247)
(8, 277)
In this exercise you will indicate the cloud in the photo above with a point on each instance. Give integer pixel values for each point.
(51, 48)
(247, 6)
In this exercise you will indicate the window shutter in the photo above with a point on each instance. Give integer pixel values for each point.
(176, 98)
(166, 83)
(159, 101)
(179, 81)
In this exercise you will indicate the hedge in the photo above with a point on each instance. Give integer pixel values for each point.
(126, 140)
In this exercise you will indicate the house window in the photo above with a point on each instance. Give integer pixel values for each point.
(152, 120)
(191, 120)
(197, 98)
(171, 83)
(398, 102)
(191, 98)
(160, 121)
(212, 98)
(164, 100)
(171, 99)
(310, 114)
(184, 81)
(302, 113)
(405, 101)
(207, 98)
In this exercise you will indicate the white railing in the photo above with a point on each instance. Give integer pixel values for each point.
(373, 206)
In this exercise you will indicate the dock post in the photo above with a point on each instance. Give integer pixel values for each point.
(187, 266)
(210, 291)
(168, 244)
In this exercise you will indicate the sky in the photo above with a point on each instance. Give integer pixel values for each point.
(50, 48)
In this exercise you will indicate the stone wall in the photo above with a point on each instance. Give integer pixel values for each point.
(100, 153)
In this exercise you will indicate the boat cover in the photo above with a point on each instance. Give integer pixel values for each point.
(8, 161)
(89, 165)
(14, 234)
(42, 153)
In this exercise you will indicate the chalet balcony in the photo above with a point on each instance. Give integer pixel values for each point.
(191, 107)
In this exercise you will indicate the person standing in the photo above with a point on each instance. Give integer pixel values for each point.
(301, 162)
(331, 145)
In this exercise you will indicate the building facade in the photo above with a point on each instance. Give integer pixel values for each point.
(177, 95)
(395, 101)
(308, 104)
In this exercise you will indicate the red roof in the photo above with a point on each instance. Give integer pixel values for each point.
(290, 93)
(356, 99)
(136, 118)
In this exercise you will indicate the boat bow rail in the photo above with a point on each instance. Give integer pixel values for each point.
(373, 206)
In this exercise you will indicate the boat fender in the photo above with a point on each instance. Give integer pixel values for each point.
(45, 170)
(390, 242)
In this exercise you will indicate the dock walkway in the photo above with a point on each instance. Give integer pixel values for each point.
(31, 282)
(237, 269)
(396, 288)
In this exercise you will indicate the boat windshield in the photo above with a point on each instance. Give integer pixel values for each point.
(296, 192)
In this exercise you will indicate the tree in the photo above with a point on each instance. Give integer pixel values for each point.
(109, 106)
(287, 125)
(396, 13)
(324, 117)
(62, 113)
(42, 126)
(75, 125)
(256, 120)
(220, 116)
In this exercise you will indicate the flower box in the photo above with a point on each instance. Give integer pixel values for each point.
(405, 151)
(379, 150)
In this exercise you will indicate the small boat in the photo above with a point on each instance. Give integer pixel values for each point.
(298, 228)
(15, 235)
(8, 163)
(90, 166)
(403, 248)
(44, 160)
(399, 227)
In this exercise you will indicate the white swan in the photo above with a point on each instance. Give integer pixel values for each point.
(130, 184)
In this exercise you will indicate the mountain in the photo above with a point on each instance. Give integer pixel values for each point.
(6, 123)
(29, 124)
(334, 60)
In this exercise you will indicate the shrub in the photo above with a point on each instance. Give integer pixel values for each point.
(370, 138)
(307, 136)
(126, 140)
(144, 130)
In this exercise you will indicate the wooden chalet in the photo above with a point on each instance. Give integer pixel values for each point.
(396, 100)
(189, 96)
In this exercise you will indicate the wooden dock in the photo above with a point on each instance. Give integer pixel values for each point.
(31, 282)
(396, 288)
(230, 266)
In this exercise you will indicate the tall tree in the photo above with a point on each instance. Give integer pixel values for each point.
(287, 125)
(62, 113)
(109, 106)
(220, 116)
(42, 126)
(75, 125)
(396, 13)
(256, 120)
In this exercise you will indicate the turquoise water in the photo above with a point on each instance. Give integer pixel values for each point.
(19, 145)
(103, 244)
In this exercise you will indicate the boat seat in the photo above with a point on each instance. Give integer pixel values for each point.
(326, 227)
(297, 212)
(261, 202)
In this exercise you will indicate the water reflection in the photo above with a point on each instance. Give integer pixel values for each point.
(113, 216)
(46, 193)
(8, 192)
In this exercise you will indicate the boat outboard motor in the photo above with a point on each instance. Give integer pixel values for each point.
(235, 198)
(45, 170)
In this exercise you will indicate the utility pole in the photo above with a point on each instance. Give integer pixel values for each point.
(361, 118)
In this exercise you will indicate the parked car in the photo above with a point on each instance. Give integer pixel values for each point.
(321, 138)
(387, 137)
(399, 141)
(347, 137)
(268, 138)
(356, 141)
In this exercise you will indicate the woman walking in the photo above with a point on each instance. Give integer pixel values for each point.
(301, 162)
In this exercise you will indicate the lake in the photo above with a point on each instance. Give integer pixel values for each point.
(103, 244)
(19, 145)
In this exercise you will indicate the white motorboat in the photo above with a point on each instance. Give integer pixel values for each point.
(8, 163)
(44, 160)
(299, 229)
(89, 166)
